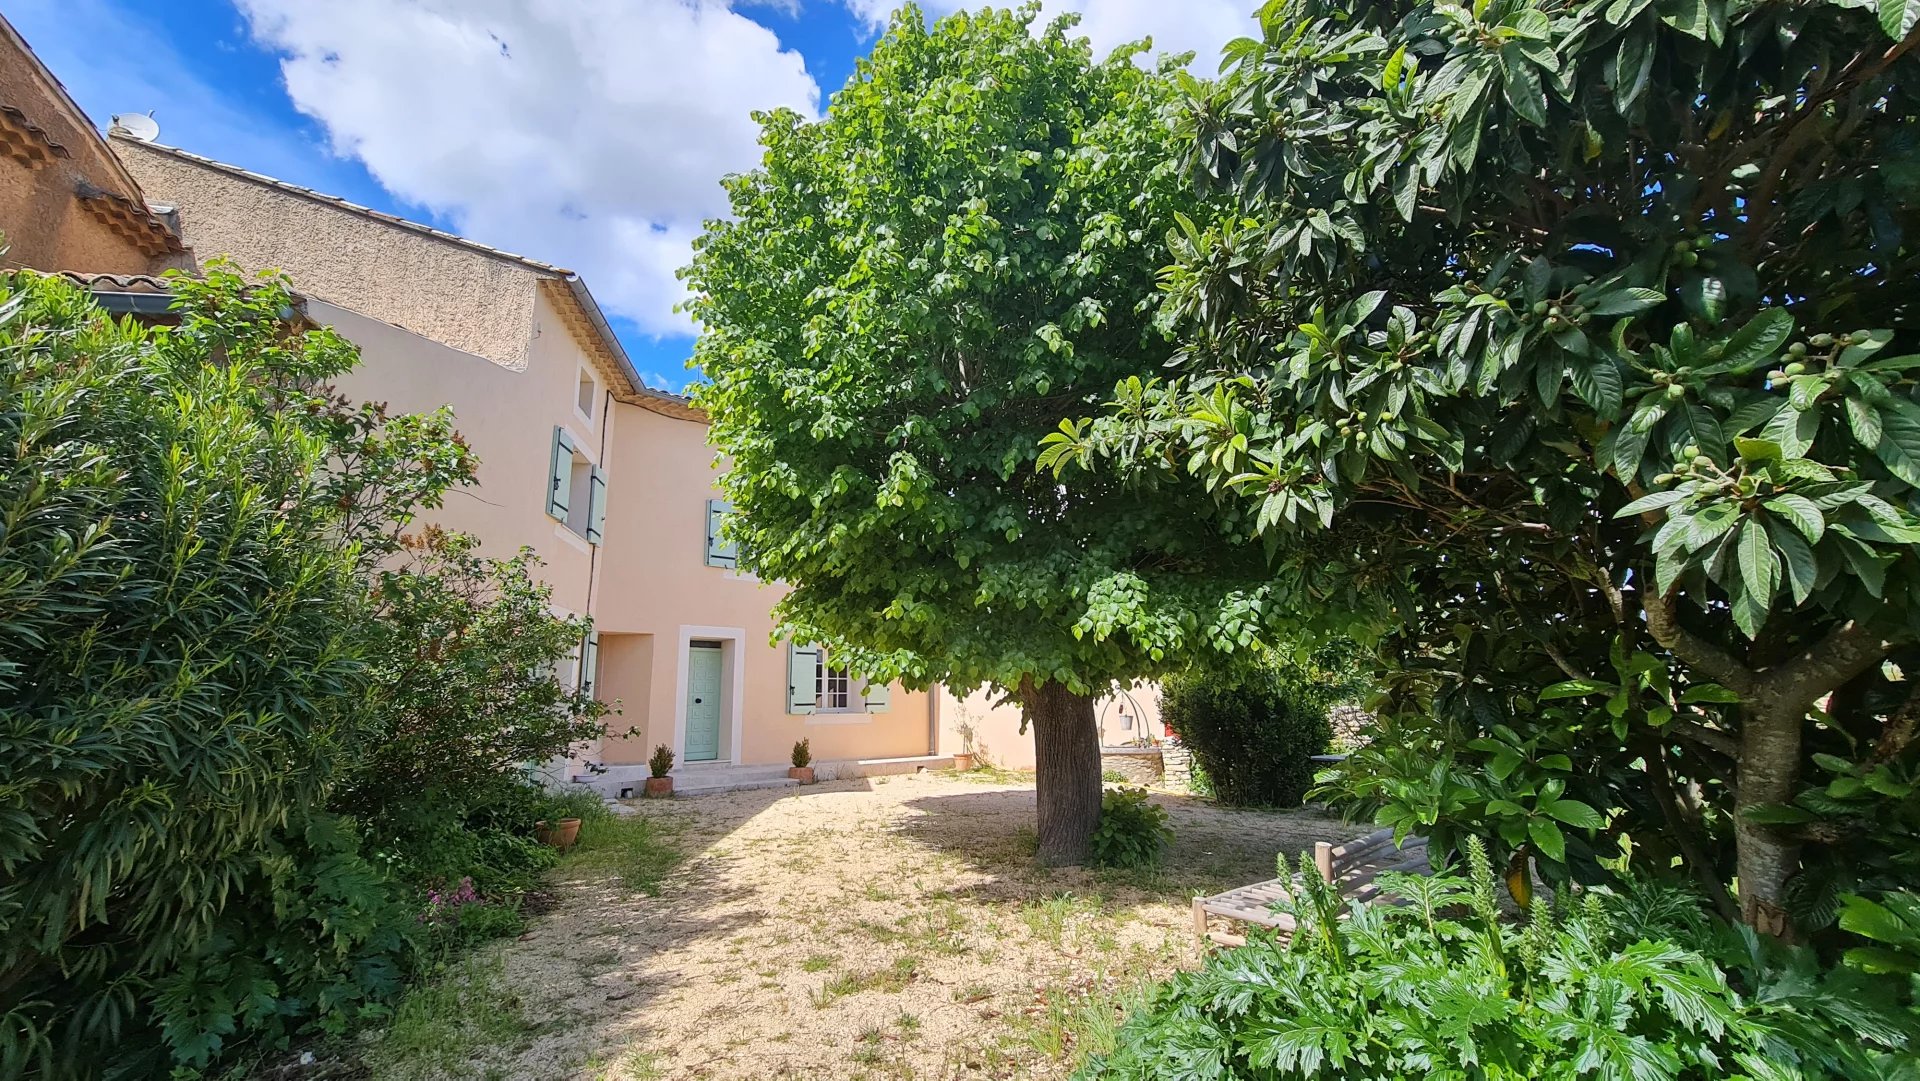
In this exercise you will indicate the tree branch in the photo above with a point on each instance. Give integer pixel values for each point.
(1664, 624)
(1847, 651)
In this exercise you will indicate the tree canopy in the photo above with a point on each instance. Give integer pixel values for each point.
(910, 293)
(1566, 347)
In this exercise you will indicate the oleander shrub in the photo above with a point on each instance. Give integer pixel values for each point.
(215, 618)
(1636, 984)
(1133, 831)
(1253, 728)
(182, 659)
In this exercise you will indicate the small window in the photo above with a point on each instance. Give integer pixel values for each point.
(588, 392)
(834, 686)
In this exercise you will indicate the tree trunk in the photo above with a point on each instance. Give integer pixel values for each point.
(1770, 735)
(1066, 749)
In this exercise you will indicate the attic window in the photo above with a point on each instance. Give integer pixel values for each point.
(589, 390)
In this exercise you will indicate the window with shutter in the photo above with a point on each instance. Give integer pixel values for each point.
(560, 476)
(590, 664)
(596, 504)
(720, 551)
(803, 663)
(879, 697)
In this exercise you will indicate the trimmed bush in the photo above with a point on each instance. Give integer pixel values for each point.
(1252, 730)
(1132, 830)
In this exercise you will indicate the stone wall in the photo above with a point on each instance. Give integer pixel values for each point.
(1176, 766)
(1140, 765)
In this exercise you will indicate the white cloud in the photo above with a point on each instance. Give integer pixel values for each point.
(590, 133)
(1176, 26)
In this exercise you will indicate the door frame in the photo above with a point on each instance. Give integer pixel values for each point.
(733, 679)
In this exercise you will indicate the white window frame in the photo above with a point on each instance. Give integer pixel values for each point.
(853, 709)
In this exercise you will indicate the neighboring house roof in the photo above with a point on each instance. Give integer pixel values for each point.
(565, 287)
(106, 189)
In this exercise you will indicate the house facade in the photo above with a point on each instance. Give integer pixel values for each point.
(608, 481)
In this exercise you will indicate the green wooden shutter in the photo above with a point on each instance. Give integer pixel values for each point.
(879, 697)
(803, 677)
(720, 552)
(560, 476)
(590, 664)
(596, 505)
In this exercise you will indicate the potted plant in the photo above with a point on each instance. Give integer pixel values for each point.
(660, 784)
(802, 770)
(557, 825)
(963, 758)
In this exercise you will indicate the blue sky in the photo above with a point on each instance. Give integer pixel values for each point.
(587, 133)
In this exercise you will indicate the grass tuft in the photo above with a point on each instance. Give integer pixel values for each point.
(639, 852)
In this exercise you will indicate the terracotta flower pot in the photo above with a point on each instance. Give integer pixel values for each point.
(963, 761)
(659, 786)
(803, 774)
(560, 835)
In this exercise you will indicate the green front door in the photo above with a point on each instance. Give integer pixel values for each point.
(703, 703)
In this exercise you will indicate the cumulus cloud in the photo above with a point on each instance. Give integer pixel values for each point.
(1176, 26)
(591, 133)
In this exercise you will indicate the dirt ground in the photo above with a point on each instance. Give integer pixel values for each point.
(881, 928)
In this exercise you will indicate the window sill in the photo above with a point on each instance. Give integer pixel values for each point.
(565, 532)
(850, 716)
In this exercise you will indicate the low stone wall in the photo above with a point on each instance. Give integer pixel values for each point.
(1176, 766)
(1140, 765)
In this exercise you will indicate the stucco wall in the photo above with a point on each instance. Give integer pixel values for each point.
(657, 583)
(469, 300)
(996, 728)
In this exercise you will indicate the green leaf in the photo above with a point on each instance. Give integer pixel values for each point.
(1759, 566)
(1655, 501)
(1574, 688)
(1899, 447)
(1758, 450)
(1897, 17)
(1597, 382)
(1758, 341)
(1802, 512)
(1625, 302)
(1709, 692)
(1548, 839)
(1574, 813)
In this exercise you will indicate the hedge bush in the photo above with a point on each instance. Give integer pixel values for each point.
(211, 637)
(1252, 729)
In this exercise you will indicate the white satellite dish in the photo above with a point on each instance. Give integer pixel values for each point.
(139, 126)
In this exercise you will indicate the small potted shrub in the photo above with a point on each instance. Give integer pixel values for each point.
(963, 758)
(660, 784)
(802, 770)
(557, 829)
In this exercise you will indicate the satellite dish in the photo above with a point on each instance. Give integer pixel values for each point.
(139, 126)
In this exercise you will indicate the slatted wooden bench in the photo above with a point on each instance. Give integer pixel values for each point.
(1353, 868)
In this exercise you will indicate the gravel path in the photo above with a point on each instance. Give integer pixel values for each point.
(881, 928)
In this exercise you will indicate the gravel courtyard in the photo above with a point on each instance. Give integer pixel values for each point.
(880, 928)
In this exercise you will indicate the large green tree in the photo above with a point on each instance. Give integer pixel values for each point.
(1567, 344)
(910, 293)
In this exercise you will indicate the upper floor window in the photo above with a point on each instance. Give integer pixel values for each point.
(588, 393)
(576, 488)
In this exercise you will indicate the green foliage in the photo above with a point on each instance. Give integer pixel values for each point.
(1132, 832)
(906, 296)
(463, 661)
(211, 651)
(1626, 985)
(661, 761)
(802, 754)
(1566, 347)
(1252, 728)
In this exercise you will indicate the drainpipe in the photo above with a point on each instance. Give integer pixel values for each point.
(933, 719)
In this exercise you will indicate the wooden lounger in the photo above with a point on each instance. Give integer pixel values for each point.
(1353, 869)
